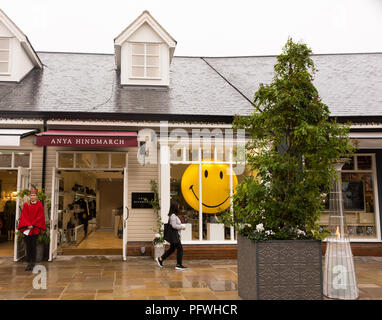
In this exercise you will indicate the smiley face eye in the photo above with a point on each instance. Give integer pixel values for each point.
(206, 173)
(221, 175)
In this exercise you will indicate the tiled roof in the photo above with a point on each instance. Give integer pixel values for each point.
(89, 82)
(350, 84)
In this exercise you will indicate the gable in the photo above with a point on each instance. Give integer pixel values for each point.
(4, 31)
(145, 18)
(29, 57)
(145, 33)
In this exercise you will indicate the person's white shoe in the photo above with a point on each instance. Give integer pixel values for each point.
(180, 267)
(160, 263)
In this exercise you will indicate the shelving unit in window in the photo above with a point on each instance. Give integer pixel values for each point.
(359, 190)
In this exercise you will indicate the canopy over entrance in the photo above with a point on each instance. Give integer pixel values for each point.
(11, 137)
(108, 139)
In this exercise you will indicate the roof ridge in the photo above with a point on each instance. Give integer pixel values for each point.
(215, 57)
(225, 79)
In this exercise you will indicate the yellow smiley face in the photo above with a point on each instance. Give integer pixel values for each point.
(215, 187)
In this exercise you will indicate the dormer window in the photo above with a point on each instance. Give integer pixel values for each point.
(4, 55)
(145, 61)
(143, 53)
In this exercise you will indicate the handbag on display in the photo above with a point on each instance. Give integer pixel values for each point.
(170, 234)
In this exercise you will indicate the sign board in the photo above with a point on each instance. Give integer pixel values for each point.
(86, 141)
(141, 200)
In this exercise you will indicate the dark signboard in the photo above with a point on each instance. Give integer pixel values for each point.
(140, 200)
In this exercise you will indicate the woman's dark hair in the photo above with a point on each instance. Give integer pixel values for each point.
(174, 208)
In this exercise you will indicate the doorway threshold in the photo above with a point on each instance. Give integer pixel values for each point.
(91, 251)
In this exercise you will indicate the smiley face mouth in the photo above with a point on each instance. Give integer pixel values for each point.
(191, 188)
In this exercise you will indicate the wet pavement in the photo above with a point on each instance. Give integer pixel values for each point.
(108, 277)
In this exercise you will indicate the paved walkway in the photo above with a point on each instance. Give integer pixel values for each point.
(107, 277)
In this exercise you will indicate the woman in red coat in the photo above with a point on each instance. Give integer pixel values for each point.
(32, 223)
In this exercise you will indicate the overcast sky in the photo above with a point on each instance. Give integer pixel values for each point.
(204, 27)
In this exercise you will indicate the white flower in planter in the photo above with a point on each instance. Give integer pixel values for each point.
(157, 235)
(260, 227)
(300, 232)
(269, 232)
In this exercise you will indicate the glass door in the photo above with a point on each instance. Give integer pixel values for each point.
(125, 213)
(23, 182)
(54, 215)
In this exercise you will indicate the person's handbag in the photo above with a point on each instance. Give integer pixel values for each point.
(170, 234)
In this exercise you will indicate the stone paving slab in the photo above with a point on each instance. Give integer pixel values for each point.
(139, 278)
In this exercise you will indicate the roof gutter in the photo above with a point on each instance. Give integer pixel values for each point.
(51, 115)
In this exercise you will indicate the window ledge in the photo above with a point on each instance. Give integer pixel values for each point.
(144, 78)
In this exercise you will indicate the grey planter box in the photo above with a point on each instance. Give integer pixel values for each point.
(279, 269)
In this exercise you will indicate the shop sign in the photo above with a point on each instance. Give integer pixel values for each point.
(140, 200)
(86, 141)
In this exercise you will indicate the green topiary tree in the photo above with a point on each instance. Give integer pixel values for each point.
(293, 147)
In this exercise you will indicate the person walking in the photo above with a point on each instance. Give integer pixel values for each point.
(175, 222)
(32, 223)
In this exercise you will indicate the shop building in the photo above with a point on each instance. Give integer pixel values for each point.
(94, 130)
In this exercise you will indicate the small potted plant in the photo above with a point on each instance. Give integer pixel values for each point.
(42, 245)
(42, 250)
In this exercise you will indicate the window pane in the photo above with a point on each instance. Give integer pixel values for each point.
(152, 61)
(153, 72)
(152, 49)
(364, 162)
(4, 55)
(4, 43)
(182, 177)
(177, 152)
(118, 160)
(138, 60)
(22, 160)
(65, 160)
(5, 159)
(138, 72)
(359, 205)
(138, 48)
(3, 67)
(101, 160)
(193, 153)
(349, 165)
(83, 160)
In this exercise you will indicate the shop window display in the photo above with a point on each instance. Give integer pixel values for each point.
(213, 170)
(358, 190)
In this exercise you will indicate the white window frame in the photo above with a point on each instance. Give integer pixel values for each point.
(109, 168)
(8, 72)
(145, 65)
(12, 167)
(199, 162)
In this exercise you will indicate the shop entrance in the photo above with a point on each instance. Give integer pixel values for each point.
(12, 181)
(8, 197)
(87, 208)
